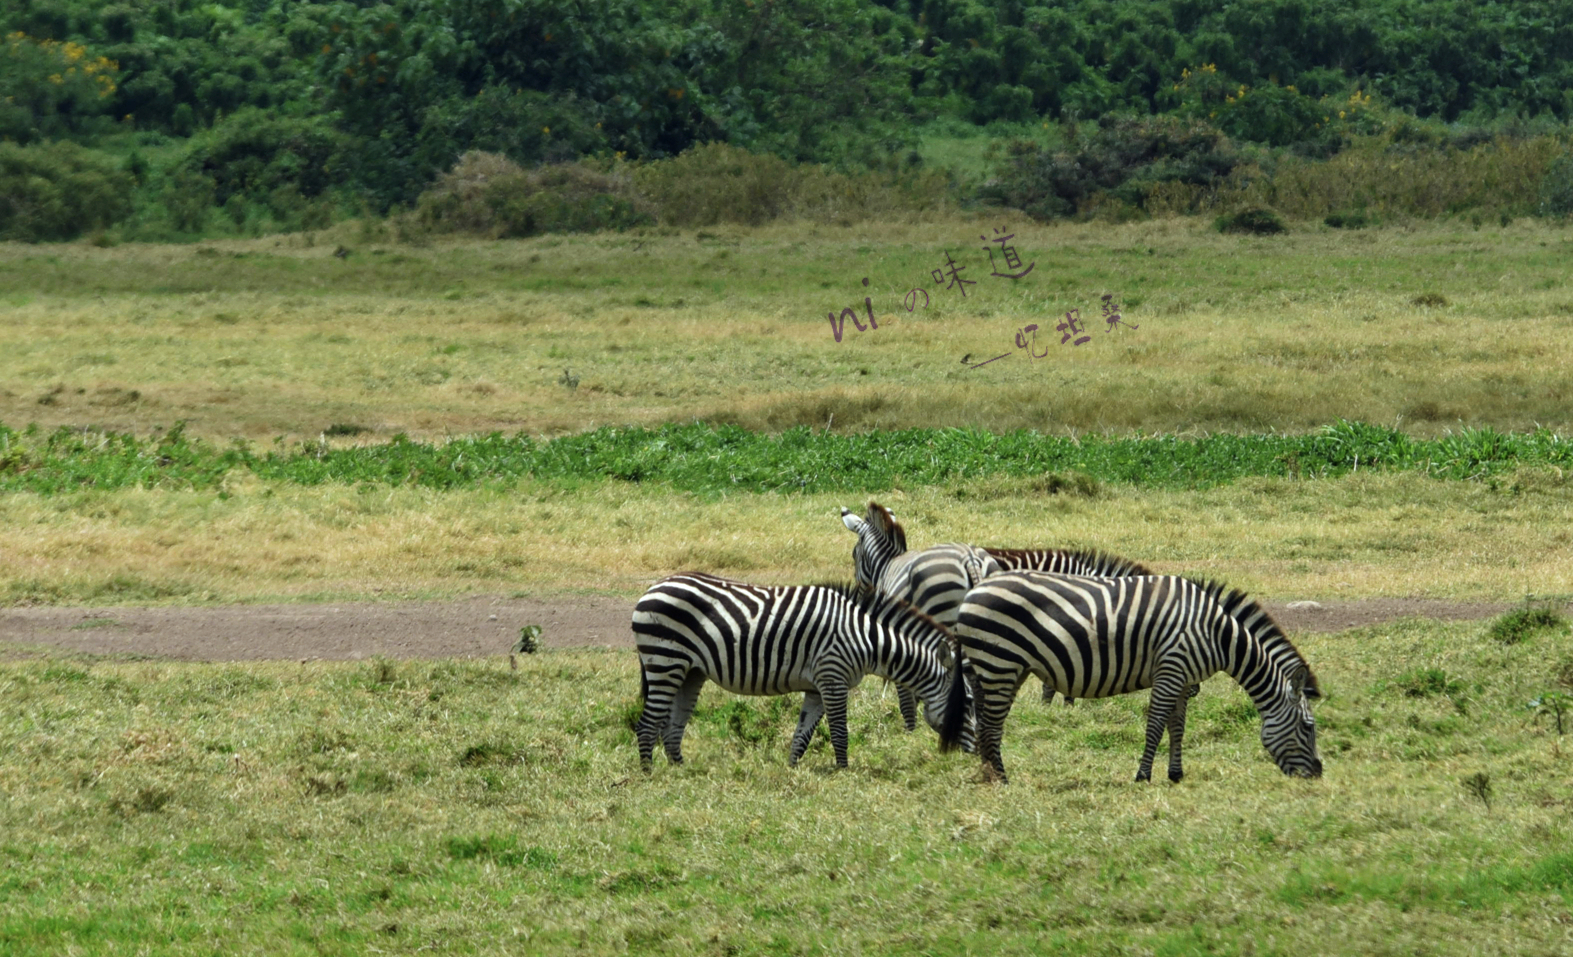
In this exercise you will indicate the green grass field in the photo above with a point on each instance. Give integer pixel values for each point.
(464, 807)
(1435, 328)
(461, 807)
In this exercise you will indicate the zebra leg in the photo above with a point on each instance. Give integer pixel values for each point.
(682, 708)
(834, 695)
(1048, 693)
(1177, 735)
(1167, 691)
(813, 710)
(658, 690)
(991, 703)
(909, 706)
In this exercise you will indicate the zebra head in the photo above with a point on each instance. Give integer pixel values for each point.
(880, 539)
(1289, 729)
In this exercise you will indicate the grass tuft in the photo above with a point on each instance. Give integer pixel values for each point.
(1522, 624)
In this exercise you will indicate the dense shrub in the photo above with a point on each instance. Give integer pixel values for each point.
(1125, 158)
(1349, 219)
(254, 154)
(49, 88)
(491, 195)
(59, 191)
(717, 183)
(1256, 220)
(1556, 189)
(527, 126)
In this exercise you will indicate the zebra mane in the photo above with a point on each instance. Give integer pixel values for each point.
(1244, 609)
(878, 516)
(886, 608)
(1105, 563)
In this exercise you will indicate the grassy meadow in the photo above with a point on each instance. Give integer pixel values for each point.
(466, 807)
(1435, 327)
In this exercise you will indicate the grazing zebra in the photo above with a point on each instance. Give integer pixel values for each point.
(755, 640)
(1098, 637)
(935, 579)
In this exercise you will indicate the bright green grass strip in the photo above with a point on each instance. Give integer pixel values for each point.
(697, 457)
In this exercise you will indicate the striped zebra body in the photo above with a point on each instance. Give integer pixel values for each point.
(756, 640)
(1066, 562)
(936, 579)
(1098, 637)
(1060, 561)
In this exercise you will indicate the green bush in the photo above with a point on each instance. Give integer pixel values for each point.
(718, 183)
(527, 126)
(1256, 220)
(255, 153)
(1556, 190)
(491, 195)
(1125, 158)
(50, 89)
(1349, 219)
(59, 191)
(1524, 623)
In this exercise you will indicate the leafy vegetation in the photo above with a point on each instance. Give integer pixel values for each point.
(267, 99)
(1525, 623)
(702, 458)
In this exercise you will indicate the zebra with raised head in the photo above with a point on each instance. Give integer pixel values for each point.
(935, 579)
(757, 640)
(1098, 637)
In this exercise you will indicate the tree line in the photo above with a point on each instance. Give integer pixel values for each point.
(284, 102)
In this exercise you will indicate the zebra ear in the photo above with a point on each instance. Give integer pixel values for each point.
(884, 522)
(851, 521)
(1304, 683)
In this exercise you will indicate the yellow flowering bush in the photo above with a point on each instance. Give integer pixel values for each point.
(49, 88)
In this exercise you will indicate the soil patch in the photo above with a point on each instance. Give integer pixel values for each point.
(471, 627)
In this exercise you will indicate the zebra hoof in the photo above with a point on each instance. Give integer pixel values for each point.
(1175, 776)
(1143, 776)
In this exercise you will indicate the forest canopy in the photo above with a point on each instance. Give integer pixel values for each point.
(275, 104)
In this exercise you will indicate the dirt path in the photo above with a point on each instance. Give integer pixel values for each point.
(465, 628)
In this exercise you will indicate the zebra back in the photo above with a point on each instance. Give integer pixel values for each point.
(1082, 561)
(1101, 636)
(935, 579)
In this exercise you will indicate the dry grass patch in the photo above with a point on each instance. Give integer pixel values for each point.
(1359, 536)
(266, 338)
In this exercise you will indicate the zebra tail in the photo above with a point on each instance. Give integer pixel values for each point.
(955, 707)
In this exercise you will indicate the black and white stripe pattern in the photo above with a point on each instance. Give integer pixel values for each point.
(1098, 637)
(1066, 562)
(756, 640)
(936, 579)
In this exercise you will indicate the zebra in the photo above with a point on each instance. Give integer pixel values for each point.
(935, 579)
(1098, 637)
(757, 640)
